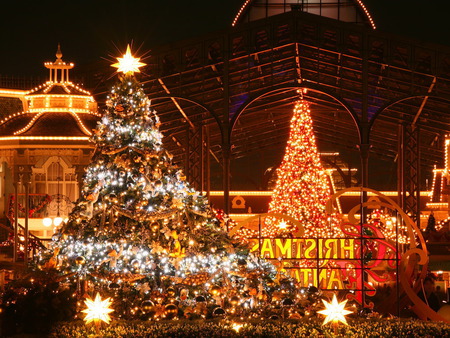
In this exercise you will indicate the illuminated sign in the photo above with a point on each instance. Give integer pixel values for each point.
(325, 263)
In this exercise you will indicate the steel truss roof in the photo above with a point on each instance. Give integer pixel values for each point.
(243, 82)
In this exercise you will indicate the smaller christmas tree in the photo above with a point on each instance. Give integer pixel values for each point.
(303, 188)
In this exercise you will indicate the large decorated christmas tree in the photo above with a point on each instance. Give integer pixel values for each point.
(140, 233)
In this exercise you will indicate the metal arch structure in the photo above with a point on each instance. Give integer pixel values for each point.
(196, 145)
(372, 72)
(311, 87)
(390, 105)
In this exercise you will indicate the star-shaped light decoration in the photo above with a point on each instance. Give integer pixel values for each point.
(335, 312)
(237, 327)
(283, 225)
(128, 64)
(97, 310)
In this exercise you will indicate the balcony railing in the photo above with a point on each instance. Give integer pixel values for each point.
(40, 205)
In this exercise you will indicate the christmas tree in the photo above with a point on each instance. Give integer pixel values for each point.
(139, 233)
(303, 187)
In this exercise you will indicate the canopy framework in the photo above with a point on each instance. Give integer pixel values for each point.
(242, 84)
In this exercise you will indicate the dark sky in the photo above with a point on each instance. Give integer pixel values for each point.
(90, 30)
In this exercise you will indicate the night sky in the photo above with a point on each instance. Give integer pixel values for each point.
(90, 31)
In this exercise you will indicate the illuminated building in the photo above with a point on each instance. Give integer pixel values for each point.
(358, 97)
(44, 147)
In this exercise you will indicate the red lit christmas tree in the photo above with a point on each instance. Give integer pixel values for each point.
(302, 189)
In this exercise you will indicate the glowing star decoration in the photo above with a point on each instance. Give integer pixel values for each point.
(128, 64)
(237, 327)
(282, 225)
(97, 310)
(334, 311)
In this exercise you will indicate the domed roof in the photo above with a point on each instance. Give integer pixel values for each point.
(344, 10)
(56, 109)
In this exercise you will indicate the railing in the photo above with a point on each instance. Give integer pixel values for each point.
(7, 246)
(37, 205)
(40, 205)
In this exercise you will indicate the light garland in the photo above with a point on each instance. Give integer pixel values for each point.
(388, 223)
(360, 3)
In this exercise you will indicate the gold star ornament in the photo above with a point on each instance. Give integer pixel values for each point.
(97, 310)
(128, 64)
(334, 311)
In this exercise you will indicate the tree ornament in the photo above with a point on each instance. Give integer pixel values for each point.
(219, 312)
(155, 227)
(119, 108)
(114, 286)
(200, 299)
(215, 290)
(295, 316)
(128, 64)
(234, 300)
(312, 290)
(184, 293)
(147, 306)
(136, 263)
(80, 260)
(242, 262)
(170, 311)
(287, 302)
(171, 292)
(276, 296)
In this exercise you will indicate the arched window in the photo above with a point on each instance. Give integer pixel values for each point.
(56, 177)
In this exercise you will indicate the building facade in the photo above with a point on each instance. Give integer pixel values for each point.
(44, 147)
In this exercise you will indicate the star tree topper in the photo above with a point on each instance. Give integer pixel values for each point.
(128, 64)
(334, 311)
(97, 310)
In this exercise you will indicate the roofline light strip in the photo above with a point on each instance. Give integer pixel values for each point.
(80, 124)
(45, 138)
(48, 110)
(59, 95)
(51, 83)
(29, 125)
(360, 3)
(12, 92)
